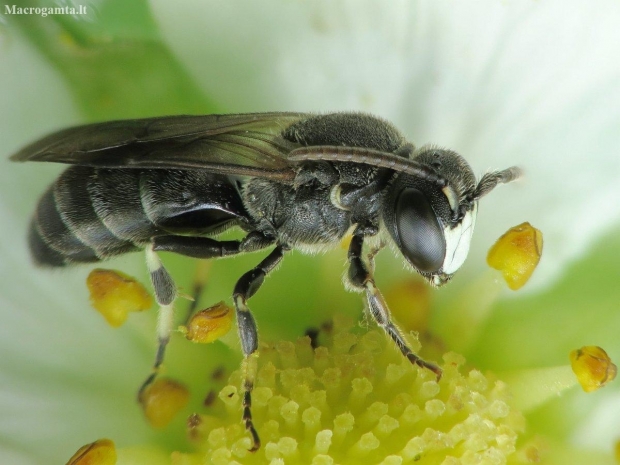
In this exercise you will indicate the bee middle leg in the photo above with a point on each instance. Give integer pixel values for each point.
(361, 278)
(245, 288)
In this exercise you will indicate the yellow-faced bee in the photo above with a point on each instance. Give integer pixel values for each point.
(288, 180)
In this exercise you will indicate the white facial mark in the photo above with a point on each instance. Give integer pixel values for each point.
(458, 240)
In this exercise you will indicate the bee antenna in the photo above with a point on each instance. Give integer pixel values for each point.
(366, 156)
(489, 181)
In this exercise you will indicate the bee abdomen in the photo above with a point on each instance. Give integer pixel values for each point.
(66, 228)
(42, 253)
(91, 214)
(51, 241)
(117, 198)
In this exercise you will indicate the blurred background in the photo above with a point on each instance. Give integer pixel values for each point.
(533, 84)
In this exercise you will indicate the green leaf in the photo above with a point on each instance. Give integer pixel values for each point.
(113, 61)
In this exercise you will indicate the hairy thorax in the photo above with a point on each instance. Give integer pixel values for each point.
(301, 217)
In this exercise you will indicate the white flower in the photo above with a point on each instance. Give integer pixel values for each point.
(531, 83)
(527, 83)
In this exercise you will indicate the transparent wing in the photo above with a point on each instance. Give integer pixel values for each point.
(244, 144)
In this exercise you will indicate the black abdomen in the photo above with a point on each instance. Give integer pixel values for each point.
(90, 214)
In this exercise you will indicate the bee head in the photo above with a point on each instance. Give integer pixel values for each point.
(432, 222)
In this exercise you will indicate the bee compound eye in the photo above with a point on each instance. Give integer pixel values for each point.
(421, 237)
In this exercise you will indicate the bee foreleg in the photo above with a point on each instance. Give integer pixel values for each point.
(165, 294)
(245, 288)
(360, 277)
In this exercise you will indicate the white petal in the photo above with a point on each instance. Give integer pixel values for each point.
(65, 377)
(528, 83)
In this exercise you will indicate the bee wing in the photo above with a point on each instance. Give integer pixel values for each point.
(243, 144)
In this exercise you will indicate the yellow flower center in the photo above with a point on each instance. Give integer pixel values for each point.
(353, 400)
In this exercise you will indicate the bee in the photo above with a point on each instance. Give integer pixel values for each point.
(287, 180)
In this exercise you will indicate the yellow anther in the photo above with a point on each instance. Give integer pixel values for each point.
(100, 452)
(162, 400)
(516, 254)
(593, 367)
(114, 295)
(210, 324)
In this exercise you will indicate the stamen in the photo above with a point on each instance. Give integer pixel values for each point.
(100, 452)
(357, 399)
(162, 400)
(115, 294)
(516, 254)
(593, 367)
(210, 324)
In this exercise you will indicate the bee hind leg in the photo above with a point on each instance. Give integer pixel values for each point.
(165, 295)
(165, 289)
